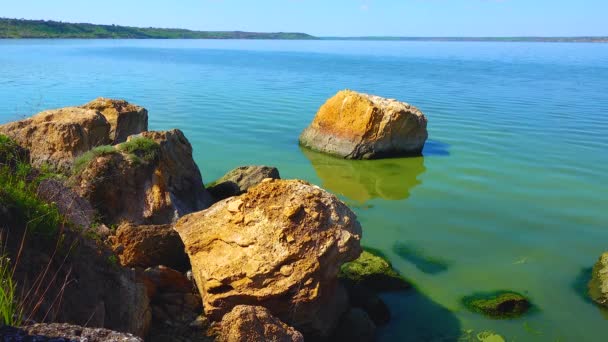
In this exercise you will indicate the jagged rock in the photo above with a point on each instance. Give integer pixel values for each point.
(239, 180)
(74, 208)
(255, 323)
(125, 119)
(157, 186)
(360, 126)
(280, 245)
(598, 286)
(61, 332)
(355, 326)
(374, 272)
(149, 246)
(56, 137)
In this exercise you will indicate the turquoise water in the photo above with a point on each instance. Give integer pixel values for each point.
(511, 192)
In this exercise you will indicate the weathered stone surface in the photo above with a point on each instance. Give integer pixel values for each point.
(355, 326)
(149, 246)
(374, 272)
(125, 119)
(61, 332)
(360, 126)
(280, 245)
(598, 286)
(56, 137)
(166, 279)
(178, 174)
(74, 208)
(239, 180)
(124, 188)
(255, 323)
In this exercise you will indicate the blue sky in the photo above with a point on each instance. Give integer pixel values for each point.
(335, 17)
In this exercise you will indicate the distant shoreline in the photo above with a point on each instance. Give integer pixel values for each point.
(48, 29)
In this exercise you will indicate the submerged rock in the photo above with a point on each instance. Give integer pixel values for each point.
(501, 304)
(125, 119)
(56, 137)
(150, 179)
(598, 285)
(374, 272)
(62, 332)
(360, 126)
(280, 245)
(149, 246)
(239, 180)
(255, 323)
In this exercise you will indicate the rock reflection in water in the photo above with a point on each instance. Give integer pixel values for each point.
(363, 180)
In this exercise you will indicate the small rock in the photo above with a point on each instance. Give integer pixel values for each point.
(61, 332)
(500, 304)
(255, 323)
(239, 180)
(374, 272)
(149, 246)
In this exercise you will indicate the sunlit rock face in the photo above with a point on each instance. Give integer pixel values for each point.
(354, 125)
(280, 245)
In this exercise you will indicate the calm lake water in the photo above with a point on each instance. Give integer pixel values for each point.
(512, 191)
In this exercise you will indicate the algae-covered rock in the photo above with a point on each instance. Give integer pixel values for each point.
(500, 304)
(354, 125)
(374, 272)
(598, 285)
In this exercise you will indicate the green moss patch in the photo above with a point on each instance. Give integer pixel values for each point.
(144, 148)
(373, 271)
(423, 262)
(499, 304)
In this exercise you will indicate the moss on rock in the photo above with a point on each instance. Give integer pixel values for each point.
(598, 285)
(499, 304)
(373, 271)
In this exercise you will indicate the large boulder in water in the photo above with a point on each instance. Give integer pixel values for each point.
(255, 323)
(150, 179)
(280, 245)
(56, 137)
(360, 126)
(125, 118)
(598, 286)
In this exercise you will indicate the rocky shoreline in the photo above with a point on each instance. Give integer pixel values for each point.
(113, 236)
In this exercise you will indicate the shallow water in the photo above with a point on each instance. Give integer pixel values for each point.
(511, 192)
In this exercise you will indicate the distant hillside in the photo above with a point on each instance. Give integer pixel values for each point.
(20, 28)
(482, 39)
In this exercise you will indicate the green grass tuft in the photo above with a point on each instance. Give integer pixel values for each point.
(11, 312)
(144, 148)
(81, 162)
